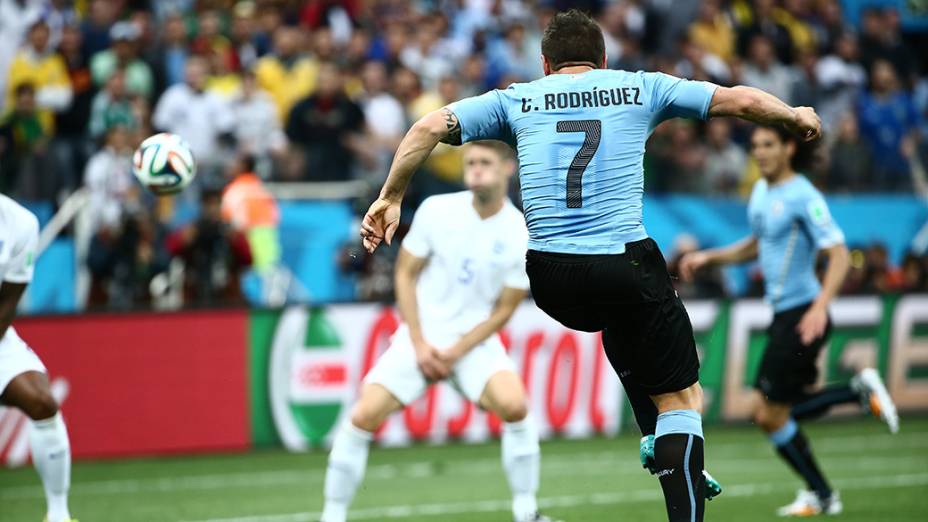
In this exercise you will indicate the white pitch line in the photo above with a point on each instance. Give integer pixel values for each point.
(262, 479)
(590, 461)
(642, 495)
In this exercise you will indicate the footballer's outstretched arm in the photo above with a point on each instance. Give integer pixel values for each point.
(506, 305)
(744, 250)
(758, 106)
(381, 220)
(10, 293)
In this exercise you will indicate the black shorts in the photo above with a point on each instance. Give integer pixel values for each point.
(789, 368)
(647, 333)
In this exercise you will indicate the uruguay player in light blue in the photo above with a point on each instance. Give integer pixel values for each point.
(790, 226)
(580, 133)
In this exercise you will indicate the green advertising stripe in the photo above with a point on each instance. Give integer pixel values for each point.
(713, 340)
(262, 325)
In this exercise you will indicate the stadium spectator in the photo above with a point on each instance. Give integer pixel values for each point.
(250, 209)
(795, 16)
(209, 38)
(713, 30)
(170, 58)
(383, 115)
(70, 144)
(222, 80)
(764, 70)
(806, 90)
(215, 256)
(329, 129)
(241, 36)
(16, 18)
(108, 176)
(38, 65)
(257, 130)
(513, 55)
(887, 116)
(26, 169)
(357, 51)
(914, 277)
(474, 77)
(698, 64)
(851, 161)
(725, 160)
(124, 54)
(111, 106)
(669, 21)
(831, 25)
(882, 40)
(200, 117)
(429, 54)
(102, 14)
(676, 158)
(761, 21)
(124, 260)
(287, 74)
(840, 77)
(323, 45)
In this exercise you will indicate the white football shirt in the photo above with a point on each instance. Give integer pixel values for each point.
(470, 261)
(19, 236)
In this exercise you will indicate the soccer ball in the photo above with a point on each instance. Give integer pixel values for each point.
(164, 164)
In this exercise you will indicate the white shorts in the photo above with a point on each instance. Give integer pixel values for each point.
(397, 370)
(15, 358)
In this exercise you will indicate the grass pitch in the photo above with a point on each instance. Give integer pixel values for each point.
(881, 478)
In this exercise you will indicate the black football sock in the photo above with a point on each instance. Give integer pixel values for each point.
(817, 404)
(794, 448)
(678, 454)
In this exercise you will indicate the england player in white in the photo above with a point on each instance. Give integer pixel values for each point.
(23, 379)
(459, 277)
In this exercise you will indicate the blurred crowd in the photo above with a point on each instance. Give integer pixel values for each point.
(323, 90)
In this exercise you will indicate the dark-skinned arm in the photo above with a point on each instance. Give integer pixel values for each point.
(10, 294)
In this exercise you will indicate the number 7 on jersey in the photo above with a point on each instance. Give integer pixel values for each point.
(592, 134)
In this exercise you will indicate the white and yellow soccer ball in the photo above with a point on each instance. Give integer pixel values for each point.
(164, 164)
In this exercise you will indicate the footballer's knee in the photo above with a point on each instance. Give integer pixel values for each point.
(366, 418)
(512, 410)
(40, 405)
(375, 404)
(769, 417)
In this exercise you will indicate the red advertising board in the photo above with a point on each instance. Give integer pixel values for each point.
(148, 383)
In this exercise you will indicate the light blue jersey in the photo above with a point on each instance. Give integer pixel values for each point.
(580, 139)
(791, 223)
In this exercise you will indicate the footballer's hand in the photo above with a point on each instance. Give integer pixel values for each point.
(431, 364)
(451, 356)
(812, 325)
(691, 263)
(379, 224)
(806, 124)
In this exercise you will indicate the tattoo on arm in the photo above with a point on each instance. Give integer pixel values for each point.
(453, 126)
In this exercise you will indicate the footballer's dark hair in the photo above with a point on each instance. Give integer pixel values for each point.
(573, 38)
(805, 152)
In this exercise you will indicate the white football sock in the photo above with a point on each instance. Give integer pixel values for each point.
(347, 462)
(522, 462)
(51, 455)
